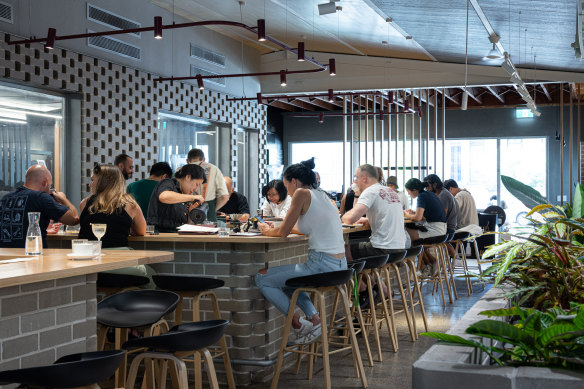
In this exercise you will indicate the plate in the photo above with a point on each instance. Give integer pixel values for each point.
(82, 257)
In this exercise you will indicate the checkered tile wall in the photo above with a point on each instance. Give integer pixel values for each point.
(120, 104)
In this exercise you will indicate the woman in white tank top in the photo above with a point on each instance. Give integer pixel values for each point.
(311, 213)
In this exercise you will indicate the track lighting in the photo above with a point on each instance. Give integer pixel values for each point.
(332, 67)
(200, 82)
(321, 117)
(259, 98)
(390, 97)
(331, 96)
(282, 77)
(158, 27)
(464, 104)
(516, 80)
(261, 30)
(50, 44)
(300, 51)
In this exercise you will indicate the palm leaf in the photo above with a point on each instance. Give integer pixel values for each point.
(579, 319)
(497, 248)
(456, 340)
(511, 254)
(510, 333)
(554, 332)
(513, 311)
(524, 193)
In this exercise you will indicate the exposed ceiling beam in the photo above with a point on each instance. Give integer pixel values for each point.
(546, 92)
(319, 103)
(495, 92)
(471, 93)
(301, 104)
(448, 95)
(334, 102)
(282, 105)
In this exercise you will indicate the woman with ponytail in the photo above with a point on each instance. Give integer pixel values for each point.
(311, 213)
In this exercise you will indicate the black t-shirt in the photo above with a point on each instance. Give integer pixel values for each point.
(166, 217)
(118, 226)
(433, 210)
(237, 203)
(349, 200)
(14, 208)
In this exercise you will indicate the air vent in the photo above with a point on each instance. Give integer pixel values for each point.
(208, 56)
(114, 46)
(107, 18)
(6, 13)
(218, 81)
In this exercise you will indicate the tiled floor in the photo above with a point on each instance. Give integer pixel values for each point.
(396, 369)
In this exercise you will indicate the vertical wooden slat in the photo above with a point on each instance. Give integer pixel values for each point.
(427, 160)
(352, 137)
(571, 143)
(373, 125)
(561, 143)
(397, 127)
(345, 146)
(579, 146)
(443, 131)
(419, 134)
(412, 134)
(389, 120)
(381, 131)
(57, 159)
(436, 130)
(359, 130)
(404, 124)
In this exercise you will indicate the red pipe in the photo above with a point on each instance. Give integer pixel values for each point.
(160, 79)
(322, 114)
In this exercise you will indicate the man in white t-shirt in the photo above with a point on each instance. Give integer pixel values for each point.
(215, 189)
(468, 218)
(383, 210)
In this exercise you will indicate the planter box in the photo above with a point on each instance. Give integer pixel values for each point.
(452, 367)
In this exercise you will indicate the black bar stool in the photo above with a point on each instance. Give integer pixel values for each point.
(110, 283)
(172, 346)
(70, 371)
(319, 284)
(197, 288)
(133, 309)
(410, 260)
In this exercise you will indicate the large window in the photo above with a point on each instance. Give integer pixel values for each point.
(328, 158)
(31, 132)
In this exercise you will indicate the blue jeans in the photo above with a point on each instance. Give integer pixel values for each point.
(273, 283)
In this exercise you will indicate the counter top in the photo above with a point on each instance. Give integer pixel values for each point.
(55, 264)
(175, 237)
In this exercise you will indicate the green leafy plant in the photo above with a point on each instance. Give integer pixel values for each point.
(554, 338)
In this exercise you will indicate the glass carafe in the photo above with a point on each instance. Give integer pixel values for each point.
(34, 239)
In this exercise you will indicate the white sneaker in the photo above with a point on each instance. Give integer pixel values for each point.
(311, 336)
(305, 327)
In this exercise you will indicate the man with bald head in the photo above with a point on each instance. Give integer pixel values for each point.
(237, 202)
(34, 196)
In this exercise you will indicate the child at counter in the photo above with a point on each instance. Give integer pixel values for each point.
(277, 201)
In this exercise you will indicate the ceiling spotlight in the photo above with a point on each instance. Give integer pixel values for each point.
(407, 105)
(158, 27)
(282, 77)
(199, 79)
(384, 43)
(390, 97)
(51, 36)
(464, 103)
(261, 30)
(331, 96)
(494, 53)
(329, 8)
(408, 37)
(507, 65)
(259, 98)
(321, 117)
(300, 51)
(332, 67)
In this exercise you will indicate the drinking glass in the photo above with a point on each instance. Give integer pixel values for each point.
(150, 229)
(98, 230)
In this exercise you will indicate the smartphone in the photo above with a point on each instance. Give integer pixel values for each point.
(260, 219)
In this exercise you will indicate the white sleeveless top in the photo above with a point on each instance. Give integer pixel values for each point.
(322, 225)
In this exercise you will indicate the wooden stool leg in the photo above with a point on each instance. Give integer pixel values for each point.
(211, 374)
(402, 292)
(163, 373)
(387, 313)
(287, 325)
(198, 371)
(120, 376)
(222, 342)
(325, 345)
(363, 326)
(101, 337)
(355, 348)
(418, 290)
(373, 316)
(132, 373)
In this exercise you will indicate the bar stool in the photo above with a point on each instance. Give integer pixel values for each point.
(457, 240)
(435, 243)
(110, 283)
(449, 264)
(196, 288)
(477, 255)
(319, 284)
(70, 371)
(394, 261)
(410, 261)
(133, 309)
(172, 346)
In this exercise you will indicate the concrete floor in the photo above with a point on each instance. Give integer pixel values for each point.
(396, 368)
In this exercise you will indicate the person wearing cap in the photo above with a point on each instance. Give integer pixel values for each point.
(403, 198)
(468, 219)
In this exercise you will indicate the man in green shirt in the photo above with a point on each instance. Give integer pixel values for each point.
(142, 189)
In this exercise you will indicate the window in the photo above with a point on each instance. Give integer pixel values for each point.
(328, 158)
(179, 134)
(31, 132)
(248, 166)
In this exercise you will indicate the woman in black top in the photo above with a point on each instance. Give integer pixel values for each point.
(172, 198)
(110, 204)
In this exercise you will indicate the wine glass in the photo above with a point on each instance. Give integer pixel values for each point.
(98, 230)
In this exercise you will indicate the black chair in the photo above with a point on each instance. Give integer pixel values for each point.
(132, 309)
(187, 286)
(70, 371)
(181, 340)
(319, 284)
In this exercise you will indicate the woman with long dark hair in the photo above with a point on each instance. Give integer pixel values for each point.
(277, 201)
(313, 214)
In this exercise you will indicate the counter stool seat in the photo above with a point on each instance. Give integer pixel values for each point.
(461, 235)
(177, 283)
(120, 281)
(172, 346)
(135, 308)
(321, 279)
(356, 265)
(193, 287)
(430, 240)
(70, 371)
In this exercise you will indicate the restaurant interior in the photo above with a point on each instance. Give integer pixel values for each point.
(473, 91)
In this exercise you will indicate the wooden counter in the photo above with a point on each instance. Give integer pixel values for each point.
(55, 264)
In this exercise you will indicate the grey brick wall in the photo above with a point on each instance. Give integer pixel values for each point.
(43, 321)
